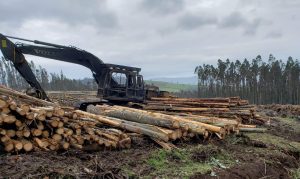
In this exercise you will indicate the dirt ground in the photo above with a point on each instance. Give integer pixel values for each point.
(274, 154)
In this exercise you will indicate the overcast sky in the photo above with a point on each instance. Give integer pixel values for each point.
(166, 38)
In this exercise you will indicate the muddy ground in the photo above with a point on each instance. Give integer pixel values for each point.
(274, 154)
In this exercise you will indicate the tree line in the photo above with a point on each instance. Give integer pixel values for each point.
(10, 77)
(259, 81)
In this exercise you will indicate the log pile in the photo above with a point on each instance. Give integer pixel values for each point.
(24, 98)
(29, 124)
(188, 125)
(25, 127)
(69, 98)
(232, 107)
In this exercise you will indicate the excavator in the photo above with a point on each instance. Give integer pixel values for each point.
(117, 84)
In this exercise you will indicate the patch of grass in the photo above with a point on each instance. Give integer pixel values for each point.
(265, 151)
(191, 168)
(175, 163)
(224, 160)
(172, 87)
(295, 174)
(236, 139)
(277, 142)
(158, 159)
(291, 122)
(181, 163)
(129, 173)
(216, 156)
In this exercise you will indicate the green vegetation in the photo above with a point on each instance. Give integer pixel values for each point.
(205, 159)
(295, 174)
(291, 122)
(275, 141)
(10, 77)
(261, 81)
(54, 81)
(183, 163)
(158, 159)
(172, 87)
(177, 163)
(129, 172)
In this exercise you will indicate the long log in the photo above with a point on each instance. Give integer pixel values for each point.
(213, 120)
(136, 115)
(184, 109)
(214, 100)
(172, 134)
(21, 96)
(188, 104)
(123, 125)
(260, 130)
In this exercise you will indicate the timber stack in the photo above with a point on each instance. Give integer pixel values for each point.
(185, 125)
(30, 124)
(232, 107)
(25, 126)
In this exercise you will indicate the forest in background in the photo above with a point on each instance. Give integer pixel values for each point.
(260, 81)
(10, 77)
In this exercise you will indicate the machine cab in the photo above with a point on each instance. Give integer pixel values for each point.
(123, 84)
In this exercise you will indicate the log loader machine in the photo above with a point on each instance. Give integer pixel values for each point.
(117, 84)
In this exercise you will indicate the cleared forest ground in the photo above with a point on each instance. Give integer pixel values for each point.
(274, 154)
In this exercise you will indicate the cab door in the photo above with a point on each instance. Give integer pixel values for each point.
(140, 89)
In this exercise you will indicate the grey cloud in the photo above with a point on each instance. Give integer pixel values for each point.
(270, 3)
(163, 6)
(73, 12)
(252, 27)
(294, 17)
(189, 21)
(245, 3)
(238, 20)
(285, 3)
(163, 37)
(274, 35)
(234, 19)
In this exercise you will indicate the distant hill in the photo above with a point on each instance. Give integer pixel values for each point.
(192, 80)
(172, 87)
(165, 86)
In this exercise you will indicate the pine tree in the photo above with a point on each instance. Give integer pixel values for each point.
(260, 82)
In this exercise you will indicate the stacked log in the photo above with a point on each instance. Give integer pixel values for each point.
(149, 130)
(211, 107)
(24, 127)
(30, 124)
(24, 98)
(141, 116)
(192, 124)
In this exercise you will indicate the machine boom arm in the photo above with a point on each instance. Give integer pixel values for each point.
(14, 53)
